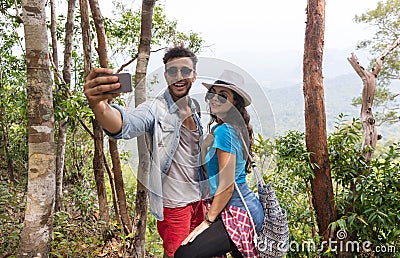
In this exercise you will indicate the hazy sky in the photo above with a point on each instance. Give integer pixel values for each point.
(251, 33)
(266, 38)
(269, 26)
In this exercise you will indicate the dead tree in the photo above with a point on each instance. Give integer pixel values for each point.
(368, 93)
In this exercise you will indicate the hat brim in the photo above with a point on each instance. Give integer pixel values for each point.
(246, 97)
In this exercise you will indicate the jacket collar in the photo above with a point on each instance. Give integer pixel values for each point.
(172, 106)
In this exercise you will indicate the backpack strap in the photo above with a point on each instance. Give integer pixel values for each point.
(197, 109)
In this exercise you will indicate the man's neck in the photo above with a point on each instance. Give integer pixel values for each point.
(182, 103)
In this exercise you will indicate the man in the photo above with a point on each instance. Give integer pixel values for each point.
(174, 130)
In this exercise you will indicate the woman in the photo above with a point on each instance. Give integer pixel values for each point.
(227, 226)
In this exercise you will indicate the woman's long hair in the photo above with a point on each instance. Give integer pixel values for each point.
(239, 118)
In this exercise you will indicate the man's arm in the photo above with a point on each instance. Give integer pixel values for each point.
(95, 87)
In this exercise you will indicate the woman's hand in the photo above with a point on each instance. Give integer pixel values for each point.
(197, 231)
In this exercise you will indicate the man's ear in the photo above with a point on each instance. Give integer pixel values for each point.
(194, 76)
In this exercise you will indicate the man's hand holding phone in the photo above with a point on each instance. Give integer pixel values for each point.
(101, 84)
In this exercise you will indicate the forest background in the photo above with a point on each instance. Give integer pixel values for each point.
(78, 228)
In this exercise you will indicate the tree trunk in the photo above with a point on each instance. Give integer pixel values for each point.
(143, 150)
(113, 192)
(315, 117)
(38, 224)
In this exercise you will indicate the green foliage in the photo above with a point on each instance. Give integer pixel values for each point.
(344, 151)
(371, 213)
(75, 238)
(13, 122)
(379, 200)
(372, 210)
(12, 209)
(153, 239)
(289, 173)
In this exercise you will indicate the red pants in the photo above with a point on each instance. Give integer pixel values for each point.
(178, 223)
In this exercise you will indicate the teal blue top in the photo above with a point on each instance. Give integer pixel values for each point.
(226, 139)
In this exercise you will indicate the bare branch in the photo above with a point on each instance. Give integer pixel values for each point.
(134, 58)
(86, 128)
(127, 63)
(379, 60)
(17, 13)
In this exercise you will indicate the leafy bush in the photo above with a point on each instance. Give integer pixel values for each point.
(367, 196)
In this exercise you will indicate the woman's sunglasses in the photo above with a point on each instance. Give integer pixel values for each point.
(185, 71)
(221, 98)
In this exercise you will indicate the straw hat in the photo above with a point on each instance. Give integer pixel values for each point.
(231, 80)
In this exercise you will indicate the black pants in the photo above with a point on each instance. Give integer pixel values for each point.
(213, 241)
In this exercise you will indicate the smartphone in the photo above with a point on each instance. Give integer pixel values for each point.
(125, 79)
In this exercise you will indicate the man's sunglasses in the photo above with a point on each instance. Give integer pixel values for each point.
(185, 71)
(221, 98)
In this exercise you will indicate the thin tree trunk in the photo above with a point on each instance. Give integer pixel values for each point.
(38, 224)
(119, 186)
(113, 192)
(53, 30)
(98, 132)
(101, 38)
(315, 117)
(86, 40)
(142, 142)
(61, 129)
(63, 124)
(98, 167)
(5, 138)
(116, 162)
(61, 142)
(69, 33)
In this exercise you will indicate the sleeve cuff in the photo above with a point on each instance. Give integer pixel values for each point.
(119, 134)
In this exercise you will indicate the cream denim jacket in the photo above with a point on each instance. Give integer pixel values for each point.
(160, 119)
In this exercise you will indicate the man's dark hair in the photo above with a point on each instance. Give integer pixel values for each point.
(180, 51)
